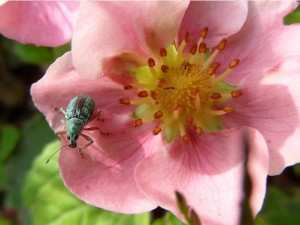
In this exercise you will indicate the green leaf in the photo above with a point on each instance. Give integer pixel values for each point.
(293, 17)
(9, 138)
(168, 219)
(280, 208)
(259, 221)
(33, 54)
(34, 136)
(51, 203)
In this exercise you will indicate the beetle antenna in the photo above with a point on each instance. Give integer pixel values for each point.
(55, 153)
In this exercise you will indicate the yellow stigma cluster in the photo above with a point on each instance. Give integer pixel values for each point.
(181, 90)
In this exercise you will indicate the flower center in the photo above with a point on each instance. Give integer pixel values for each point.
(180, 90)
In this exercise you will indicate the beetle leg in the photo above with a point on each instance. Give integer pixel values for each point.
(61, 110)
(59, 133)
(97, 128)
(97, 116)
(88, 138)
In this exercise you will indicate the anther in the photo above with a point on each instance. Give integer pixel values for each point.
(215, 65)
(128, 87)
(211, 71)
(164, 68)
(162, 82)
(163, 52)
(193, 49)
(124, 101)
(185, 139)
(138, 122)
(154, 95)
(228, 109)
(216, 95)
(198, 130)
(236, 93)
(234, 63)
(143, 94)
(204, 32)
(187, 37)
(221, 45)
(202, 47)
(158, 114)
(151, 62)
(156, 130)
(189, 120)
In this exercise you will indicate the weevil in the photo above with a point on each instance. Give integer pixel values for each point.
(80, 111)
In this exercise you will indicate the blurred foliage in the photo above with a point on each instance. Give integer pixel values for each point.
(51, 203)
(293, 17)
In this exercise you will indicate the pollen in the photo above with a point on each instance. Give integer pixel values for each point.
(182, 90)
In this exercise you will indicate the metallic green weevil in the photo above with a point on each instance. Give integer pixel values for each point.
(79, 112)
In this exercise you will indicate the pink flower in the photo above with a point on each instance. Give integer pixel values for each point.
(188, 119)
(38, 22)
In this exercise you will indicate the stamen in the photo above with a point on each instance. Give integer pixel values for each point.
(228, 109)
(204, 32)
(162, 82)
(234, 63)
(185, 139)
(151, 62)
(236, 93)
(128, 87)
(187, 37)
(143, 94)
(221, 45)
(154, 95)
(156, 130)
(163, 52)
(197, 102)
(164, 68)
(202, 47)
(198, 130)
(124, 101)
(189, 120)
(138, 122)
(158, 114)
(216, 95)
(193, 49)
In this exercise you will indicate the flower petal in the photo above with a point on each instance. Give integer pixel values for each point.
(222, 19)
(104, 177)
(107, 29)
(208, 172)
(263, 40)
(40, 23)
(272, 106)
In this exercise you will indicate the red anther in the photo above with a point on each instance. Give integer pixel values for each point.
(193, 49)
(187, 37)
(185, 139)
(216, 95)
(138, 122)
(164, 68)
(215, 65)
(124, 101)
(234, 63)
(198, 130)
(158, 114)
(128, 87)
(163, 52)
(202, 48)
(154, 95)
(156, 130)
(221, 45)
(189, 120)
(162, 82)
(143, 94)
(236, 93)
(204, 32)
(211, 71)
(151, 62)
(228, 109)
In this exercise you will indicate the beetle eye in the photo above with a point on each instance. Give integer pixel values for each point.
(76, 137)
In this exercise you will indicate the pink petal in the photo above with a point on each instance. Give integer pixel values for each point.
(263, 41)
(3, 1)
(271, 104)
(108, 29)
(208, 172)
(104, 177)
(40, 23)
(222, 19)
